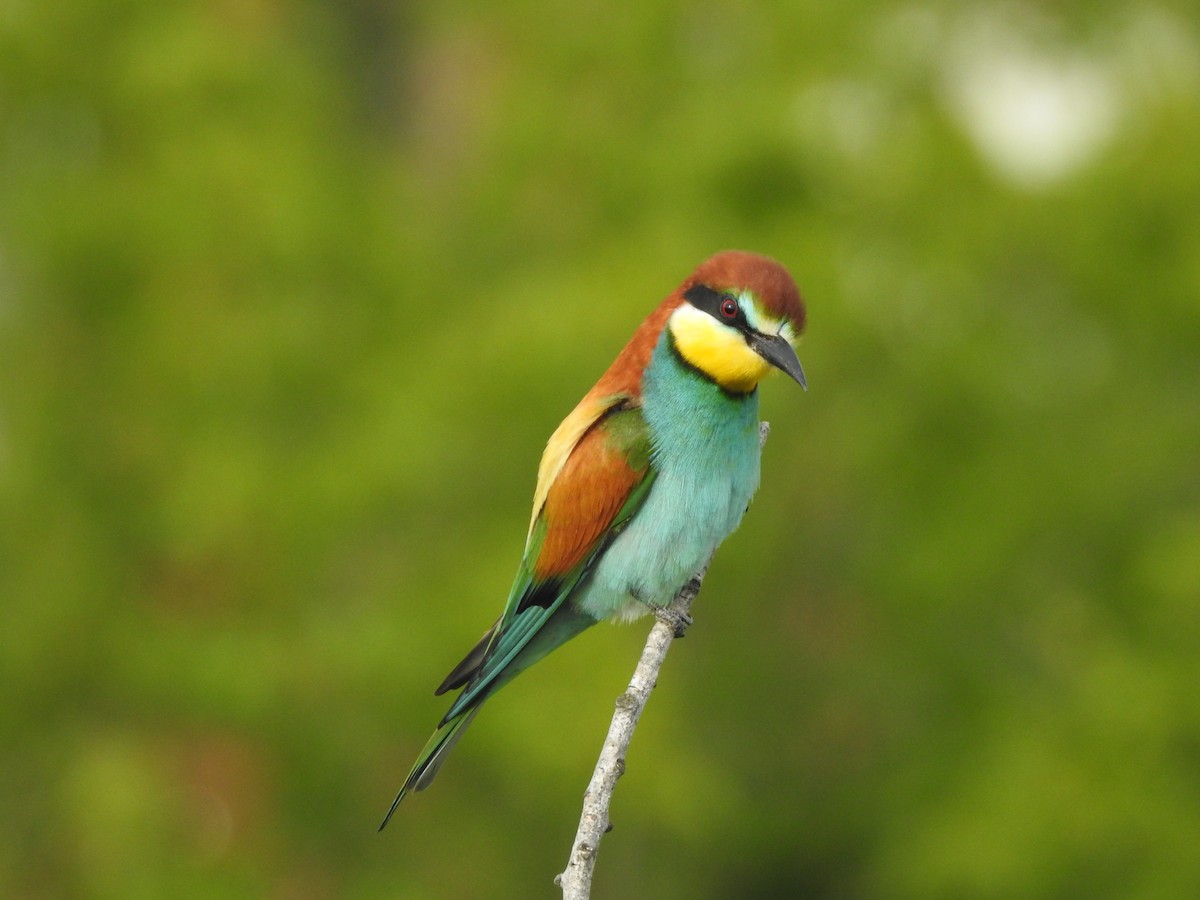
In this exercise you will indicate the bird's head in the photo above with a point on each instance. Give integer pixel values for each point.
(739, 317)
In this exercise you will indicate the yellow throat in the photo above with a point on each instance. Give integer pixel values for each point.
(720, 352)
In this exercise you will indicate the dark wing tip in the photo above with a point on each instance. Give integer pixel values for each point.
(470, 665)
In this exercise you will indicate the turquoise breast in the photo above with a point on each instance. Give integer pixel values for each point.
(706, 454)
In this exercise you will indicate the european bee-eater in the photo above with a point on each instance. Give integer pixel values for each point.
(642, 481)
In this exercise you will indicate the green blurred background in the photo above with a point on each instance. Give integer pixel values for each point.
(292, 294)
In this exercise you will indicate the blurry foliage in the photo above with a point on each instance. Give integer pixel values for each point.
(291, 294)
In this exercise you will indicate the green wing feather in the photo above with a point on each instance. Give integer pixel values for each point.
(536, 619)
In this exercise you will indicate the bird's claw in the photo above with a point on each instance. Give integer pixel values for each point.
(676, 618)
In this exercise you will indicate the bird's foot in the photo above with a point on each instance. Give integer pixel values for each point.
(676, 618)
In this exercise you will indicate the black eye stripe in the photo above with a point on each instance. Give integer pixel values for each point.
(712, 302)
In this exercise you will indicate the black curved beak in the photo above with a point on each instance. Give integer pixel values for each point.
(779, 353)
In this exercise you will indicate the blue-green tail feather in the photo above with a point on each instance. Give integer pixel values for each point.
(559, 627)
(431, 759)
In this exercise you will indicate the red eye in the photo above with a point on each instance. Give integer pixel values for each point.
(729, 308)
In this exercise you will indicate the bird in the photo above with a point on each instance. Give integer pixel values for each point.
(642, 481)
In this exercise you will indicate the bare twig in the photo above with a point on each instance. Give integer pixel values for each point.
(576, 879)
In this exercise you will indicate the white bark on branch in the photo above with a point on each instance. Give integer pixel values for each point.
(672, 620)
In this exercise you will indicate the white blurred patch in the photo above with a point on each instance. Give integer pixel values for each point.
(1035, 113)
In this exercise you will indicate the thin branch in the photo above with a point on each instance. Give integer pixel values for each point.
(672, 620)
